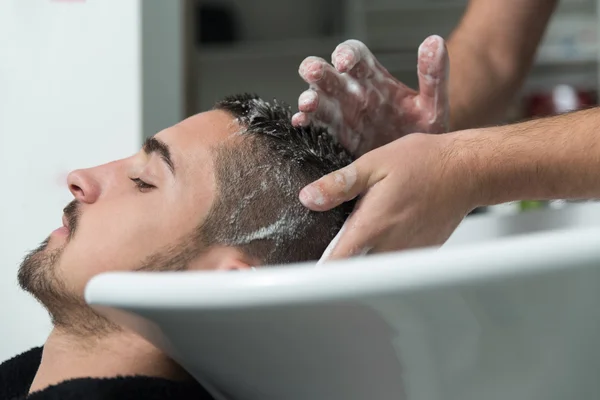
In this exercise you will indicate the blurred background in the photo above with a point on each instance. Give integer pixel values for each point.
(83, 82)
(257, 46)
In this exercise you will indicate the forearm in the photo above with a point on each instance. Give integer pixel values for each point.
(491, 52)
(550, 158)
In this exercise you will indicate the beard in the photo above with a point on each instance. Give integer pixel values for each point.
(40, 276)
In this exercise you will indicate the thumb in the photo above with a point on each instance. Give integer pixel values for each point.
(433, 68)
(340, 186)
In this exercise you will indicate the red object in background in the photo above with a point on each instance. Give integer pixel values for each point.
(544, 104)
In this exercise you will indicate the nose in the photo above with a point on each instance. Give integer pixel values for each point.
(83, 186)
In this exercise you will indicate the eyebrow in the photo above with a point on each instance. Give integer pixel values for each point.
(153, 145)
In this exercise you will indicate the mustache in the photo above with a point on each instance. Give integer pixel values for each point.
(72, 213)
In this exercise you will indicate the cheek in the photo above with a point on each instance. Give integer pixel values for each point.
(113, 241)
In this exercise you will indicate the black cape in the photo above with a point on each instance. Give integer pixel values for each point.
(16, 376)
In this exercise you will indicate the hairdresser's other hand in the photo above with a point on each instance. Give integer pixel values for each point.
(364, 106)
(415, 192)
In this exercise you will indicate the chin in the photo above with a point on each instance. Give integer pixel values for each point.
(37, 264)
(54, 243)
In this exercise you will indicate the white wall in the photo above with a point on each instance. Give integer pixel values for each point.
(70, 97)
(162, 65)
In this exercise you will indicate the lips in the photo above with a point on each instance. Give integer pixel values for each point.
(65, 221)
(70, 217)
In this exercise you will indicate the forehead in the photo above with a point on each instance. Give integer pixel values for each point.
(201, 130)
(191, 140)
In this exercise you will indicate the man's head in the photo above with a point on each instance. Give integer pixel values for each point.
(217, 191)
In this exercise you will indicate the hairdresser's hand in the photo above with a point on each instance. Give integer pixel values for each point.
(416, 190)
(364, 106)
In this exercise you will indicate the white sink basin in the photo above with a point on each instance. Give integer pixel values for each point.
(483, 318)
(485, 227)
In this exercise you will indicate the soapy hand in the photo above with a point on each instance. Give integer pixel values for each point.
(364, 106)
(416, 190)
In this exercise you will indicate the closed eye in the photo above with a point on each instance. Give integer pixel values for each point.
(142, 186)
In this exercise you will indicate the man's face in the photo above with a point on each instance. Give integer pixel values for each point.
(128, 212)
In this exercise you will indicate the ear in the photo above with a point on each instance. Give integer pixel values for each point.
(222, 259)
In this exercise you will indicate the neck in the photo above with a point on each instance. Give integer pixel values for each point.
(68, 356)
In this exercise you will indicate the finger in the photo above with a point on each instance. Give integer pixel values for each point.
(329, 249)
(320, 74)
(328, 112)
(342, 185)
(300, 119)
(308, 101)
(315, 107)
(355, 239)
(433, 68)
(332, 82)
(311, 69)
(333, 101)
(359, 234)
(319, 108)
(354, 58)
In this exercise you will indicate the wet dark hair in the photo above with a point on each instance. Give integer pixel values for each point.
(259, 177)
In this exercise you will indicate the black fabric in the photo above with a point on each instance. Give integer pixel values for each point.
(16, 376)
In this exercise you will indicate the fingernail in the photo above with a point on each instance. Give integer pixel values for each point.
(307, 97)
(344, 57)
(312, 69)
(342, 60)
(311, 196)
(316, 72)
(431, 48)
(304, 65)
(300, 119)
